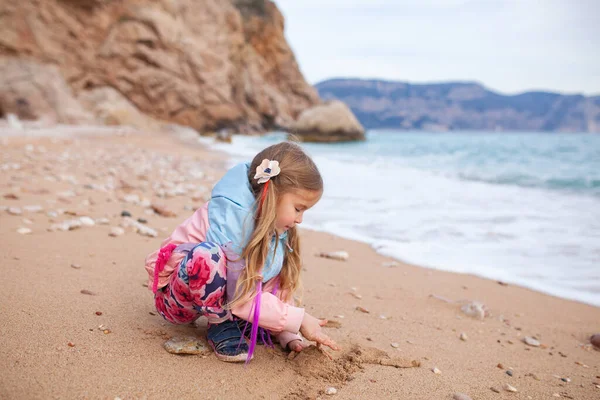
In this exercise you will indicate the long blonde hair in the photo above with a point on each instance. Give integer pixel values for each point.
(298, 172)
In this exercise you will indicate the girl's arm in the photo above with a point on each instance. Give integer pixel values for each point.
(275, 315)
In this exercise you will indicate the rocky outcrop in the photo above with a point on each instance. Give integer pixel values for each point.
(211, 64)
(32, 91)
(461, 106)
(329, 122)
(112, 108)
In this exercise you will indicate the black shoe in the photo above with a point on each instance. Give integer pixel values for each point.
(228, 342)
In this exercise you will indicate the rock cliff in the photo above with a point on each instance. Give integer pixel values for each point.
(208, 64)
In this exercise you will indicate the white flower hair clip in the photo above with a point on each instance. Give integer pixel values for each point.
(267, 170)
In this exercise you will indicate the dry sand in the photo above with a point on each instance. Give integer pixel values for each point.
(55, 345)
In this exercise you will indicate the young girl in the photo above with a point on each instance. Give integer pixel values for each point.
(236, 260)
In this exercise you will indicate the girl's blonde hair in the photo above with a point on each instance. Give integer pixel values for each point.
(298, 172)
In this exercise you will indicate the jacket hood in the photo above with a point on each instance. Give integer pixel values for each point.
(234, 186)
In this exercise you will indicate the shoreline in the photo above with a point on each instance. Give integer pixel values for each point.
(44, 309)
(495, 270)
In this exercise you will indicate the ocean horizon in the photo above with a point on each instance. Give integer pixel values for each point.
(518, 207)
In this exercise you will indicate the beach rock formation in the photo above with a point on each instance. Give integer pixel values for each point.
(329, 122)
(112, 108)
(33, 91)
(210, 65)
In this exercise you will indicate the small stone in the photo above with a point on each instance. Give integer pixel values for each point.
(88, 292)
(125, 213)
(362, 309)
(75, 266)
(116, 231)
(461, 396)
(14, 211)
(102, 221)
(500, 366)
(106, 331)
(475, 309)
(531, 341)
(162, 210)
(87, 221)
(356, 295)
(335, 255)
(27, 221)
(567, 380)
(595, 340)
(339, 316)
(330, 391)
(495, 390)
(142, 220)
(463, 337)
(509, 373)
(71, 344)
(11, 196)
(395, 345)
(555, 394)
(33, 209)
(436, 371)
(509, 388)
(24, 231)
(98, 312)
(186, 345)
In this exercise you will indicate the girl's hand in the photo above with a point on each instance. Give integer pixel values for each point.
(297, 345)
(311, 329)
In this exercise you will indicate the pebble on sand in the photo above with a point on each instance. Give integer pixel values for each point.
(531, 341)
(335, 255)
(362, 309)
(87, 221)
(436, 371)
(186, 345)
(509, 388)
(330, 391)
(24, 231)
(463, 337)
(116, 231)
(14, 211)
(475, 309)
(595, 340)
(461, 396)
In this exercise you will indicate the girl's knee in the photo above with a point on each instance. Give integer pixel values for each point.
(209, 251)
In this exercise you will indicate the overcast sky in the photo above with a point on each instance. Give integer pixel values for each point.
(509, 46)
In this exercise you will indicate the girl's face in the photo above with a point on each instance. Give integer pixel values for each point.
(291, 207)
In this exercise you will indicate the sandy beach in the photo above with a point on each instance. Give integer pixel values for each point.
(78, 321)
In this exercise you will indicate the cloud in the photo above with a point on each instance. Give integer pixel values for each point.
(510, 46)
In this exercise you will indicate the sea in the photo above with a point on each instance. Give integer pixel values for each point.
(521, 208)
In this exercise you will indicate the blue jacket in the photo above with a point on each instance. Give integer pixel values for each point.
(230, 217)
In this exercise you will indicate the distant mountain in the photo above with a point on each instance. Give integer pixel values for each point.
(461, 106)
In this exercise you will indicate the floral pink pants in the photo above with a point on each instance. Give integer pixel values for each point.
(196, 288)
